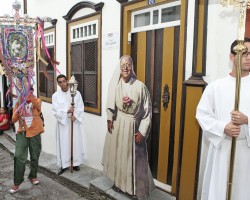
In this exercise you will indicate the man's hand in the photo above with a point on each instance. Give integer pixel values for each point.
(232, 130)
(139, 138)
(73, 118)
(110, 126)
(239, 118)
(71, 110)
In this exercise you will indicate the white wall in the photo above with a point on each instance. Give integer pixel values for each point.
(94, 126)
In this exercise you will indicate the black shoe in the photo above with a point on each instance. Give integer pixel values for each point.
(116, 188)
(76, 168)
(60, 171)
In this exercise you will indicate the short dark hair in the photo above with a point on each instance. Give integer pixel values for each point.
(61, 76)
(235, 43)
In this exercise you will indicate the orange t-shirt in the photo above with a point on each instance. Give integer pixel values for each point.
(36, 125)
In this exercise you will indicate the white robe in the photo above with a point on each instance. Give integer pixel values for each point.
(213, 114)
(61, 102)
(126, 162)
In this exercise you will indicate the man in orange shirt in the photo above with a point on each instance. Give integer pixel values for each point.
(27, 138)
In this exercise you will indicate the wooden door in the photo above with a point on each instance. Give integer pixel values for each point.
(155, 56)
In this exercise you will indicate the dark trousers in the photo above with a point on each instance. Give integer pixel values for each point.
(21, 153)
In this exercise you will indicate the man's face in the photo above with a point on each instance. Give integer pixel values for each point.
(63, 83)
(2, 111)
(246, 58)
(126, 68)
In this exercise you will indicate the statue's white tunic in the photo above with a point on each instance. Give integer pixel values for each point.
(61, 102)
(213, 114)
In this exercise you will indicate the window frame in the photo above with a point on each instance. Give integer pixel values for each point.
(152, 26)
(48, 31)
(94, 18)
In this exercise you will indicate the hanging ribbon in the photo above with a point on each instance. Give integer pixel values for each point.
(38, 51)
(40, 32)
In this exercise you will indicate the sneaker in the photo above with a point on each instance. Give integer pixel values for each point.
(34, 181)
(14, 189)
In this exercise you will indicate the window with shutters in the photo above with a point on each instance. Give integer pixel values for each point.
(85, 61)
(46, 74)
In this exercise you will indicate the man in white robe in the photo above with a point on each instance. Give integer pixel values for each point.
(61, 102)
(220, 123)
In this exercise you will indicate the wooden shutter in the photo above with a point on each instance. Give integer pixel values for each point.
(90, 73)
(76, 65)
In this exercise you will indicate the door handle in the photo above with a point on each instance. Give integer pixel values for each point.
(165, 97)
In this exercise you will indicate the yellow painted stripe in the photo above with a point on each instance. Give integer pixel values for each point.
(179, 93)
(167, 75)
(141, 56)
(200, 49)
(191, 137)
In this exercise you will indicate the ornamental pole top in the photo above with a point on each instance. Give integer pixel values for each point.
(243, 5)
(17, 18)
(236, 3)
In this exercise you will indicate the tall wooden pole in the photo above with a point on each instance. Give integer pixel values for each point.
(72, 137)
(239, 49)
(72, 86)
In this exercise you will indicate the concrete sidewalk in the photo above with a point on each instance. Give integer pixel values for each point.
(88, 183)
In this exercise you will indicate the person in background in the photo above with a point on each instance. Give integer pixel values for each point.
(28, 137)
(129, 112)
(62, 109)
(4, 120)
(220, 123)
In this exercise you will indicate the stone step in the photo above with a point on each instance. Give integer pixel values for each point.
(88, 182)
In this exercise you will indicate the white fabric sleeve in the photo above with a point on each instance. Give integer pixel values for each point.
(145, 123)
(59, 112)
(79, 107)
(248, 133)
(109, 114)
(205, 114)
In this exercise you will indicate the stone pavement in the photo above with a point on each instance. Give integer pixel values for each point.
(47, 189)
(85, 184)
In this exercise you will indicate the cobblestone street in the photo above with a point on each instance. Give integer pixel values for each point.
(47, 189)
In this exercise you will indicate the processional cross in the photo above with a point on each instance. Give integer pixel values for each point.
(72, 87)
(239, 49)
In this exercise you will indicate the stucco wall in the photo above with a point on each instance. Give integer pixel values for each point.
(94, 128)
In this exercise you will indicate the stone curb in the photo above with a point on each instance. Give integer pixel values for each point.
(91, 193)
